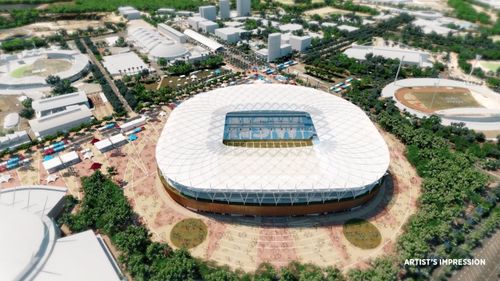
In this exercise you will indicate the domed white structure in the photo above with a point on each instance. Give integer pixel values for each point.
(31, 248)
(168, 51)
(11, 120)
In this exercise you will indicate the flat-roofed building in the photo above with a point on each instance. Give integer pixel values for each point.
(208, 26)
(165, 11)
(300, 43)
(410, 57)
(224, 9)
(129, 13)
(347, 28)
(229, 34)
(62, 121)
(126, 63)
(194, 22)
(290, 27)
(47, 106)
(273, 46)
(11, 141)
(208, 12)
(171, 33)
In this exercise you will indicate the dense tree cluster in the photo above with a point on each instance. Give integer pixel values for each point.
(60, 86)
(445, 158)
(82, 6)
(128, 94)
(105, 207)
(27, 112)
(18, 18)
(465, 11)
(108, 91)
(184, 67)
(18, 44)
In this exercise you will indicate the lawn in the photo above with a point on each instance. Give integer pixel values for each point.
(41, 67)
(490, 65)
(362, 234)
(188, 233)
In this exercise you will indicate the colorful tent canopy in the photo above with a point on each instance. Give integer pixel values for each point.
(95, 166)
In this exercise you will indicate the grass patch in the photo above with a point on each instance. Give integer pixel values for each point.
(362, 234)
(189, 233)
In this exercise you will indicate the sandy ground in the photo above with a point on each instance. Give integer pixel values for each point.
(245, 242)
(329, 10)
(48, 28)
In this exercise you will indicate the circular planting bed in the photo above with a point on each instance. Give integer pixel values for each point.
(188, 233)
(362, 234)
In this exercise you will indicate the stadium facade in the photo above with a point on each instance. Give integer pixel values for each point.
(268, 149)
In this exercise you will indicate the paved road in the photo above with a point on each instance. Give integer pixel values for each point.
(110, 81)
(490, 251)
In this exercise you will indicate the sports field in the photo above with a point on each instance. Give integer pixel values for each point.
(431, 99)
(41, 67)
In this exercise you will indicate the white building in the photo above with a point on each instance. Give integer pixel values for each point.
(11, 141)
(300, 43)
(273, 46)
(194, 22)
(208, 12)
(328, 24)
(243, 8)
(224, 9)
(133, 124)
(129, 13)
(165, 11)
(171, 33)
(212, 45)
(410, 57)
(429, 26)
(44, 107)
(126, 63)
(290, 27)
(229, 34)
(208, 26)
(347, 28)
(62, 121)
(32, 248)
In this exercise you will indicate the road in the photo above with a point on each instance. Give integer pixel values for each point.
(109, 80)
(490, 251)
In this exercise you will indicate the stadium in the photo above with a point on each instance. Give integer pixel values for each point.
(29, 69)
(478, 107)
(270, 150)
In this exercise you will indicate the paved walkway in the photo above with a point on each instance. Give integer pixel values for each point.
(490, 251)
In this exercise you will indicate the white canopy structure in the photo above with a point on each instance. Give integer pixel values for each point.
(348, 157)
(31, 248)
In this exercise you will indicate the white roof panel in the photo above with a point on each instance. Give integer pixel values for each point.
(350, 153)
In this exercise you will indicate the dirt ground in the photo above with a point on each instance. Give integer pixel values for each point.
(48, 28)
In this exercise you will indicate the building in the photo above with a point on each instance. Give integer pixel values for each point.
(13, 140)
(212, 45)
(165, 11)
(207, 26)
(229, 34)
(409, 57)
(243, 8)
(62, 121)
(208, 12)
(347, 28)
(47, 106)
(139, 122)
(300, 43)
(172, 33)
(32, 248)
(430, 26)
(129, 13)
(270, 149)
(290, 27)
(224, 9)
(328, 24)
(195, 21)
(273, 46)
(124, 64)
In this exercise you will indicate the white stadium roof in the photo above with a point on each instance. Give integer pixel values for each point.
(349, 155)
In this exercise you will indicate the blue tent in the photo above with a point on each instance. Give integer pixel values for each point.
(132, 137)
